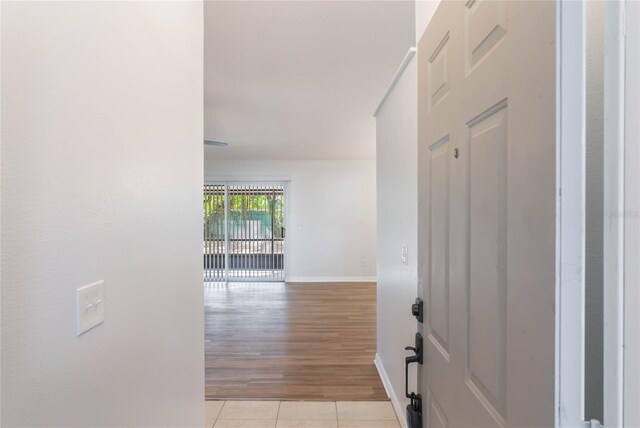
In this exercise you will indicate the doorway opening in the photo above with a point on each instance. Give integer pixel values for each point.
(244, 232)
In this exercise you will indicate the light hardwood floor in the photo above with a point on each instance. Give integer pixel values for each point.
(291, 342)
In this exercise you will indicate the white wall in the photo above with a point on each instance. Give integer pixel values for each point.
(101, 179)
(397, 182)
(331, 233)
(424, 12)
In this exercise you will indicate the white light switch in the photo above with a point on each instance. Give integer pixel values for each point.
(90, 306)
(405, 254)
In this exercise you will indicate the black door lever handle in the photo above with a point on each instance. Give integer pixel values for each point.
(417, 358)
(414, 358)
(414, 409)
(417, 350)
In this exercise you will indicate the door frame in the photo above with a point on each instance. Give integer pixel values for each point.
(570, 213)
(631, 386)
(614, 86)
(622, 214)
(286, 181)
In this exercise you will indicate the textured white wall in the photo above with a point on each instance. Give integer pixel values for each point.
(332, 214)
(101, 179)
(397, 183)
(424, 12)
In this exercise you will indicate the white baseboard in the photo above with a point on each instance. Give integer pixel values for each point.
(390, 392)
(332, 279)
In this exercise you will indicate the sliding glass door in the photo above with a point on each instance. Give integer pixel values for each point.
(244, 232)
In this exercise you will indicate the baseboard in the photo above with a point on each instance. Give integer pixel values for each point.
(309, 279)
(390, 392)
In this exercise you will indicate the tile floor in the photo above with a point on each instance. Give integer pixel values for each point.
(300, 414)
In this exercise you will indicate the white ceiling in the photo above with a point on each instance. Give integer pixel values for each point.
(300, 79)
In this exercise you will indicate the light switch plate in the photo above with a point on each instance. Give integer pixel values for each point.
(405, 254)
(89, 306)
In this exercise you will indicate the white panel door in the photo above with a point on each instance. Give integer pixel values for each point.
(487, 213)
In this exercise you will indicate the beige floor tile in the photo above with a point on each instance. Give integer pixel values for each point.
(211, 412)
(249, 410)
(365, 411)
(368, 424)
(230, 423)
(306, 424)
(307, 410)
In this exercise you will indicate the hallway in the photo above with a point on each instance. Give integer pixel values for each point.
(291, 341)
(450, 190)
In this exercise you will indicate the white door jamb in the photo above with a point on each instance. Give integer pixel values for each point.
(570, 218)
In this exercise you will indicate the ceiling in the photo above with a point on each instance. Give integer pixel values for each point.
(299, 80)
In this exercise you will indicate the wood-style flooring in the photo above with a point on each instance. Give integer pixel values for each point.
(291, 342)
